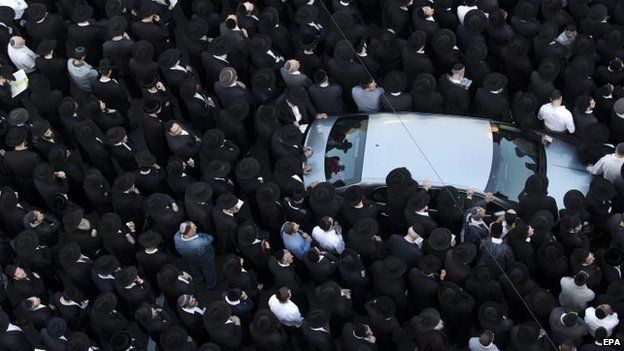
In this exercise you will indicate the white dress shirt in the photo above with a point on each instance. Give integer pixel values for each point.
(287, 313)
(593, 323)
(23, 58)
(609, 166)
(329, 241)
(556, 119)
(19, 6)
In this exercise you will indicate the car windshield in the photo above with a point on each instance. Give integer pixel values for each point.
(344, 154)
(515, 159)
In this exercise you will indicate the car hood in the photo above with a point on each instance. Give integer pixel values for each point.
(564, 170)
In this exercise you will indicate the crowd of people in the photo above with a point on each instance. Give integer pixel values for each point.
(152, 176)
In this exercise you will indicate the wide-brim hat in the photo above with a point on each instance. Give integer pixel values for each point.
(247, 168)
(323, 194)
(168, 273)
(429, 264)
(150, 239)
(263, 79)
(156, 204)
(169, 57)
(395, 81)
(287, 166)
(197, 28)
(551, 251)
(476, 52)
(26, 242)
(85, 133)
(247, 233)
(528, 333)
(217, 313)
(475, 21)
(36, 12)
(328, 292)
(427, 320)
(220, 46)
(56, 327)
(126, 276)
(568, 222)
(16, 136)
(353, 195)
(145, 159)
(490, 313)
(384, 306)
(483, 273)
(464, 253)
(495, 81)
(124, 181)
(600, 189)
(57, 156)
(45, 46)
(449, 293)
(344, 17)
(147, 9)
(218, 169)
(295, 94)
(121, 341)
(290, 135)
(308, 41)
(18, 116)
(614, 256)
(518, 45)
(393, 267)
(417, 40)
(518, 272)
(443, 39)
(615, 290)
(115, 135)
(7, 15)
(82, 13)
(365, 228)
(198, 192)
(174, 338)
(72, 218)
(424, 83)
(117, 25)
(226, 200)
(143, 51)
(213, 139)
(105, 303)
(536, 184)
(526, 10)
(418, 200)
(149, 81)
(524, 103)
(261, 43)
(268, 193)
(110, 224)
(350, 261)
(106, 265)
(44, 172)
(238, 111)
(70, 253)
(598, 12)
(440, 239)
(306, 14)
(582, 66)
(317, 318)
(549, 68)
(574, 199)
(227, 76)
(541, 299)
(543, 220)
(613, 37)
(79, 341)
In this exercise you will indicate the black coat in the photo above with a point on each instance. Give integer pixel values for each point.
(492, 105)
(55, 69)
(350, 343)
(155, 33)
(317, 340)
(226, 231)
(154, 131)
(456, 97)
(423, 290)
(118, 52)
(112, 93)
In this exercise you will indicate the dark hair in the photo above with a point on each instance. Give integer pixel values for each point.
(601, 333)
(486, 338)
(555, 95)
(289, 228)
(580, 278)
(320, 76)
(571, 28)
(457, 67)
(619, 149)
(569, 319)
(325, 223)
(496, 229)
(282, 294)
(510, 217)
(600, 313)
(365, 81)
(279, 254)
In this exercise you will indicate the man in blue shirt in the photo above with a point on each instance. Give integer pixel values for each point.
(197, 250)
(295, 240)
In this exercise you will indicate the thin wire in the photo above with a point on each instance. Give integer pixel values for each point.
(398, 116)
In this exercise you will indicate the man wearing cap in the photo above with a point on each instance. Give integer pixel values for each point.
(21, 55)
(490, 100)
(42, 25)
(454, 87)
(81, 73)
(229, 89)
(197, 249)
(609, 165)
(292, 75)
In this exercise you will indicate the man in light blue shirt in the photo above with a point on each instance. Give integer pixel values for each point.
(197, 250)
(295, 241)
(367, 95)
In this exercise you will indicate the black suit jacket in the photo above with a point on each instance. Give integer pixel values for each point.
(317, 340)
(456, 98)
(155, 33)
(226, 231)
(112, 93)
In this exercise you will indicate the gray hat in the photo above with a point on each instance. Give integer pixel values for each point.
(618, 107)
(227, 76)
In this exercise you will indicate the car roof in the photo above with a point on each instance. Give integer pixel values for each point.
(446, 149)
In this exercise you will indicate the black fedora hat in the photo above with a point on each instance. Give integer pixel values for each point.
(169, 57)
(197, 28)
(353, 195)
(238, 110)
(384, 306)
(268, 193)
(527, 333)
(156, 204)
(551, 251)
(464, 253)
(18, 116)
(263, 79)
(117, 26)
(36, 12)
(582, 66)
(106, 265)
(45, 46)
(16, 136)
(614, 256)
(495, 81)
(574, 200)
(427, 320)
(72, 218)
(306, 14)
(536, 184)
(217, 313)
(261, 43)
(549, 68)
(518, 45)
(147, 9)
(152, 106)
(79, 341)
(290, 135)
(152, 79)
(70, 253)
(26, 242)
(110, 224)
(126, 276)
(213, 139)
(56, 327)
(82, 13)
(541, 299)
(615, 290)
(350, 261)
(287, 166)
(150, 239)
(323, 194)
(490, 314)
(476, 53)
(269, 18)
(115, 135)
(483, 273)
(317, 318)
(121, 341)
(105, 303)
(424, 83)
(443, 39)
(226, 200)
(393, 267)
(247, 233)
(295, 94)
(429, 264)
(247, 168)
(198, 192)
(518, 272)
(145, 159)
(58, 156)
(168, 274)
(220, 46)
(308, 41)
(365, 228)
(44, 172)
(526, 10)
(475, 21)
(449, 293)
(542, 220)
(600, 190)
(7, 15)
(143, 51)
(417, 40)
(395, 81)
(124, 182)
(174, 338)
(328, 292)
(218, 169)
(418, 200)
(440, 239)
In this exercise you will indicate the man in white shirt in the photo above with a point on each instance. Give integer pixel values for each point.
(22, 57)
(601, 316)
(19, 6)
(328, 234)
(483, 342)
(556, 117)
(610, 165)
(284, 309)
